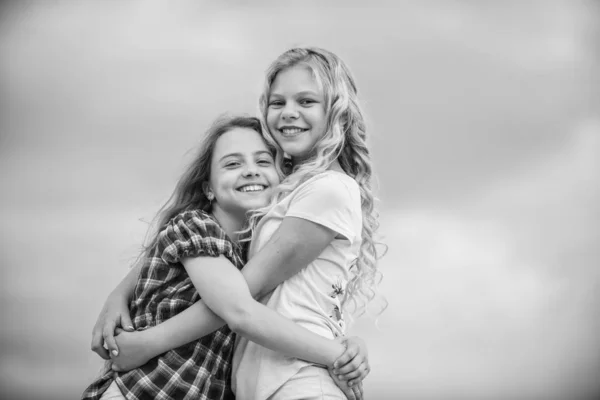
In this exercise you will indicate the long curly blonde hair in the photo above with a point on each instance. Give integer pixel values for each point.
(344, 140)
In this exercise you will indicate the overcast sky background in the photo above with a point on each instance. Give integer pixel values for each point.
(485, 130)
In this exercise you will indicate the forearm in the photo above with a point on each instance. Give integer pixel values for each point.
(256, 321)
(270, 329)
(126, 287)
(293, 246)
(191, 324)
(226, 292)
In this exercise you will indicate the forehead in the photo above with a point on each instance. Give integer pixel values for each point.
(295, 79)
(239, 140)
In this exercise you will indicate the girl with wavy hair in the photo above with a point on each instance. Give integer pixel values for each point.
(192, 263)
(322, 213)
(312, 246)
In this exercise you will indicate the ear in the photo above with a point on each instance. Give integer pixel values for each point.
(206, 189)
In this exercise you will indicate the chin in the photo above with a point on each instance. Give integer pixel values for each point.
(256, 203)
(295, 152)
(259, 204)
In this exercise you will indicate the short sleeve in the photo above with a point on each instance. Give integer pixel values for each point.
(329, 201)
(193, 234)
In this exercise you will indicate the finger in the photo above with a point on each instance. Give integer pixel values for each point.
(350, 394)
(109, 338)
(363, 372)
(98, 345)
(118, 331)
(126, 321)
(350, 353)
(358, 391)
(357, 373)
(350, 366)
(115, 367)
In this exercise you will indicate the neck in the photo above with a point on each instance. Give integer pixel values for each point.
(335, 165)
(231, 224)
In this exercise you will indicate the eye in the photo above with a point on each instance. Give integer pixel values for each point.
(307, 102)
(232, 164)
(265, 161)
(276, 103)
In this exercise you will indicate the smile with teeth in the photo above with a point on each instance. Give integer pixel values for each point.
(252, 188)
(291, 130)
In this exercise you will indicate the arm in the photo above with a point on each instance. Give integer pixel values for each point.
(296, 243)
(114, 313)
(292, 247)
(225, 291)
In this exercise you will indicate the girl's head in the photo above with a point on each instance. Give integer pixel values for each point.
(232, 173)
(236, 167)
(309, 105)
(310, 110)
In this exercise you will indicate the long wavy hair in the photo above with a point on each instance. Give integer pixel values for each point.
(344, 140)
(189, 193)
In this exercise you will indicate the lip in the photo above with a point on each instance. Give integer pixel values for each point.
(264, 187)
(297, 130)
(290, 127)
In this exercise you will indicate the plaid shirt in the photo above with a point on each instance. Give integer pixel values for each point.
(200, 369)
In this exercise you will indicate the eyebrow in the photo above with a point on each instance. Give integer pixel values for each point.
(256, 153)
(302, 93)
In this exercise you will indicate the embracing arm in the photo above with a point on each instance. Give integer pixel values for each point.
(225, 291)
(292, 247)
(296, 243)
(126, 287)
(223, 288)
(115, 313)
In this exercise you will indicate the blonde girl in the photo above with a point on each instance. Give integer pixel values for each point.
(312, 248)
(192, 264)
(322, 215)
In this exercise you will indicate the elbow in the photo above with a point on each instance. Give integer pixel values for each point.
(238, 319)
(262, 292)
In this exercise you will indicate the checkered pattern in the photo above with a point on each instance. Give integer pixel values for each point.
(200, 369)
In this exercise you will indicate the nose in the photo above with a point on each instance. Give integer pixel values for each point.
(251, 169)
(289, 112)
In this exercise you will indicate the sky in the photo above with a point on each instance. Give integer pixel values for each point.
(484, 125)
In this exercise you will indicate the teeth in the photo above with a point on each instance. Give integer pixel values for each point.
(291, 131)
(252, 188)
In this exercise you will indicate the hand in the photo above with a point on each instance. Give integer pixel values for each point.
(353, 365)
(135, 350)
(114, 314)
(354, 392)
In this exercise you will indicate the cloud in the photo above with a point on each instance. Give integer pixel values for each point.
(495, 298)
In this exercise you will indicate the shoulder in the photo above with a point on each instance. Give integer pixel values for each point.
(332, 185)
(193, 215)
(197, 221)
(342, 179)
(328, 193)
(193, 233)
(331, 199)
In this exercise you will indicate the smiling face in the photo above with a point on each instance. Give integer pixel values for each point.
(242, 173)
(296, 112)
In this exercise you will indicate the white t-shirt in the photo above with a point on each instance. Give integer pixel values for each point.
(312, 297)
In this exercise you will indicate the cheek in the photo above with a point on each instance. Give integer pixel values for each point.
(272, 118)
(322, 124)
(322, 117)
(273, 177)
(226, 180)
